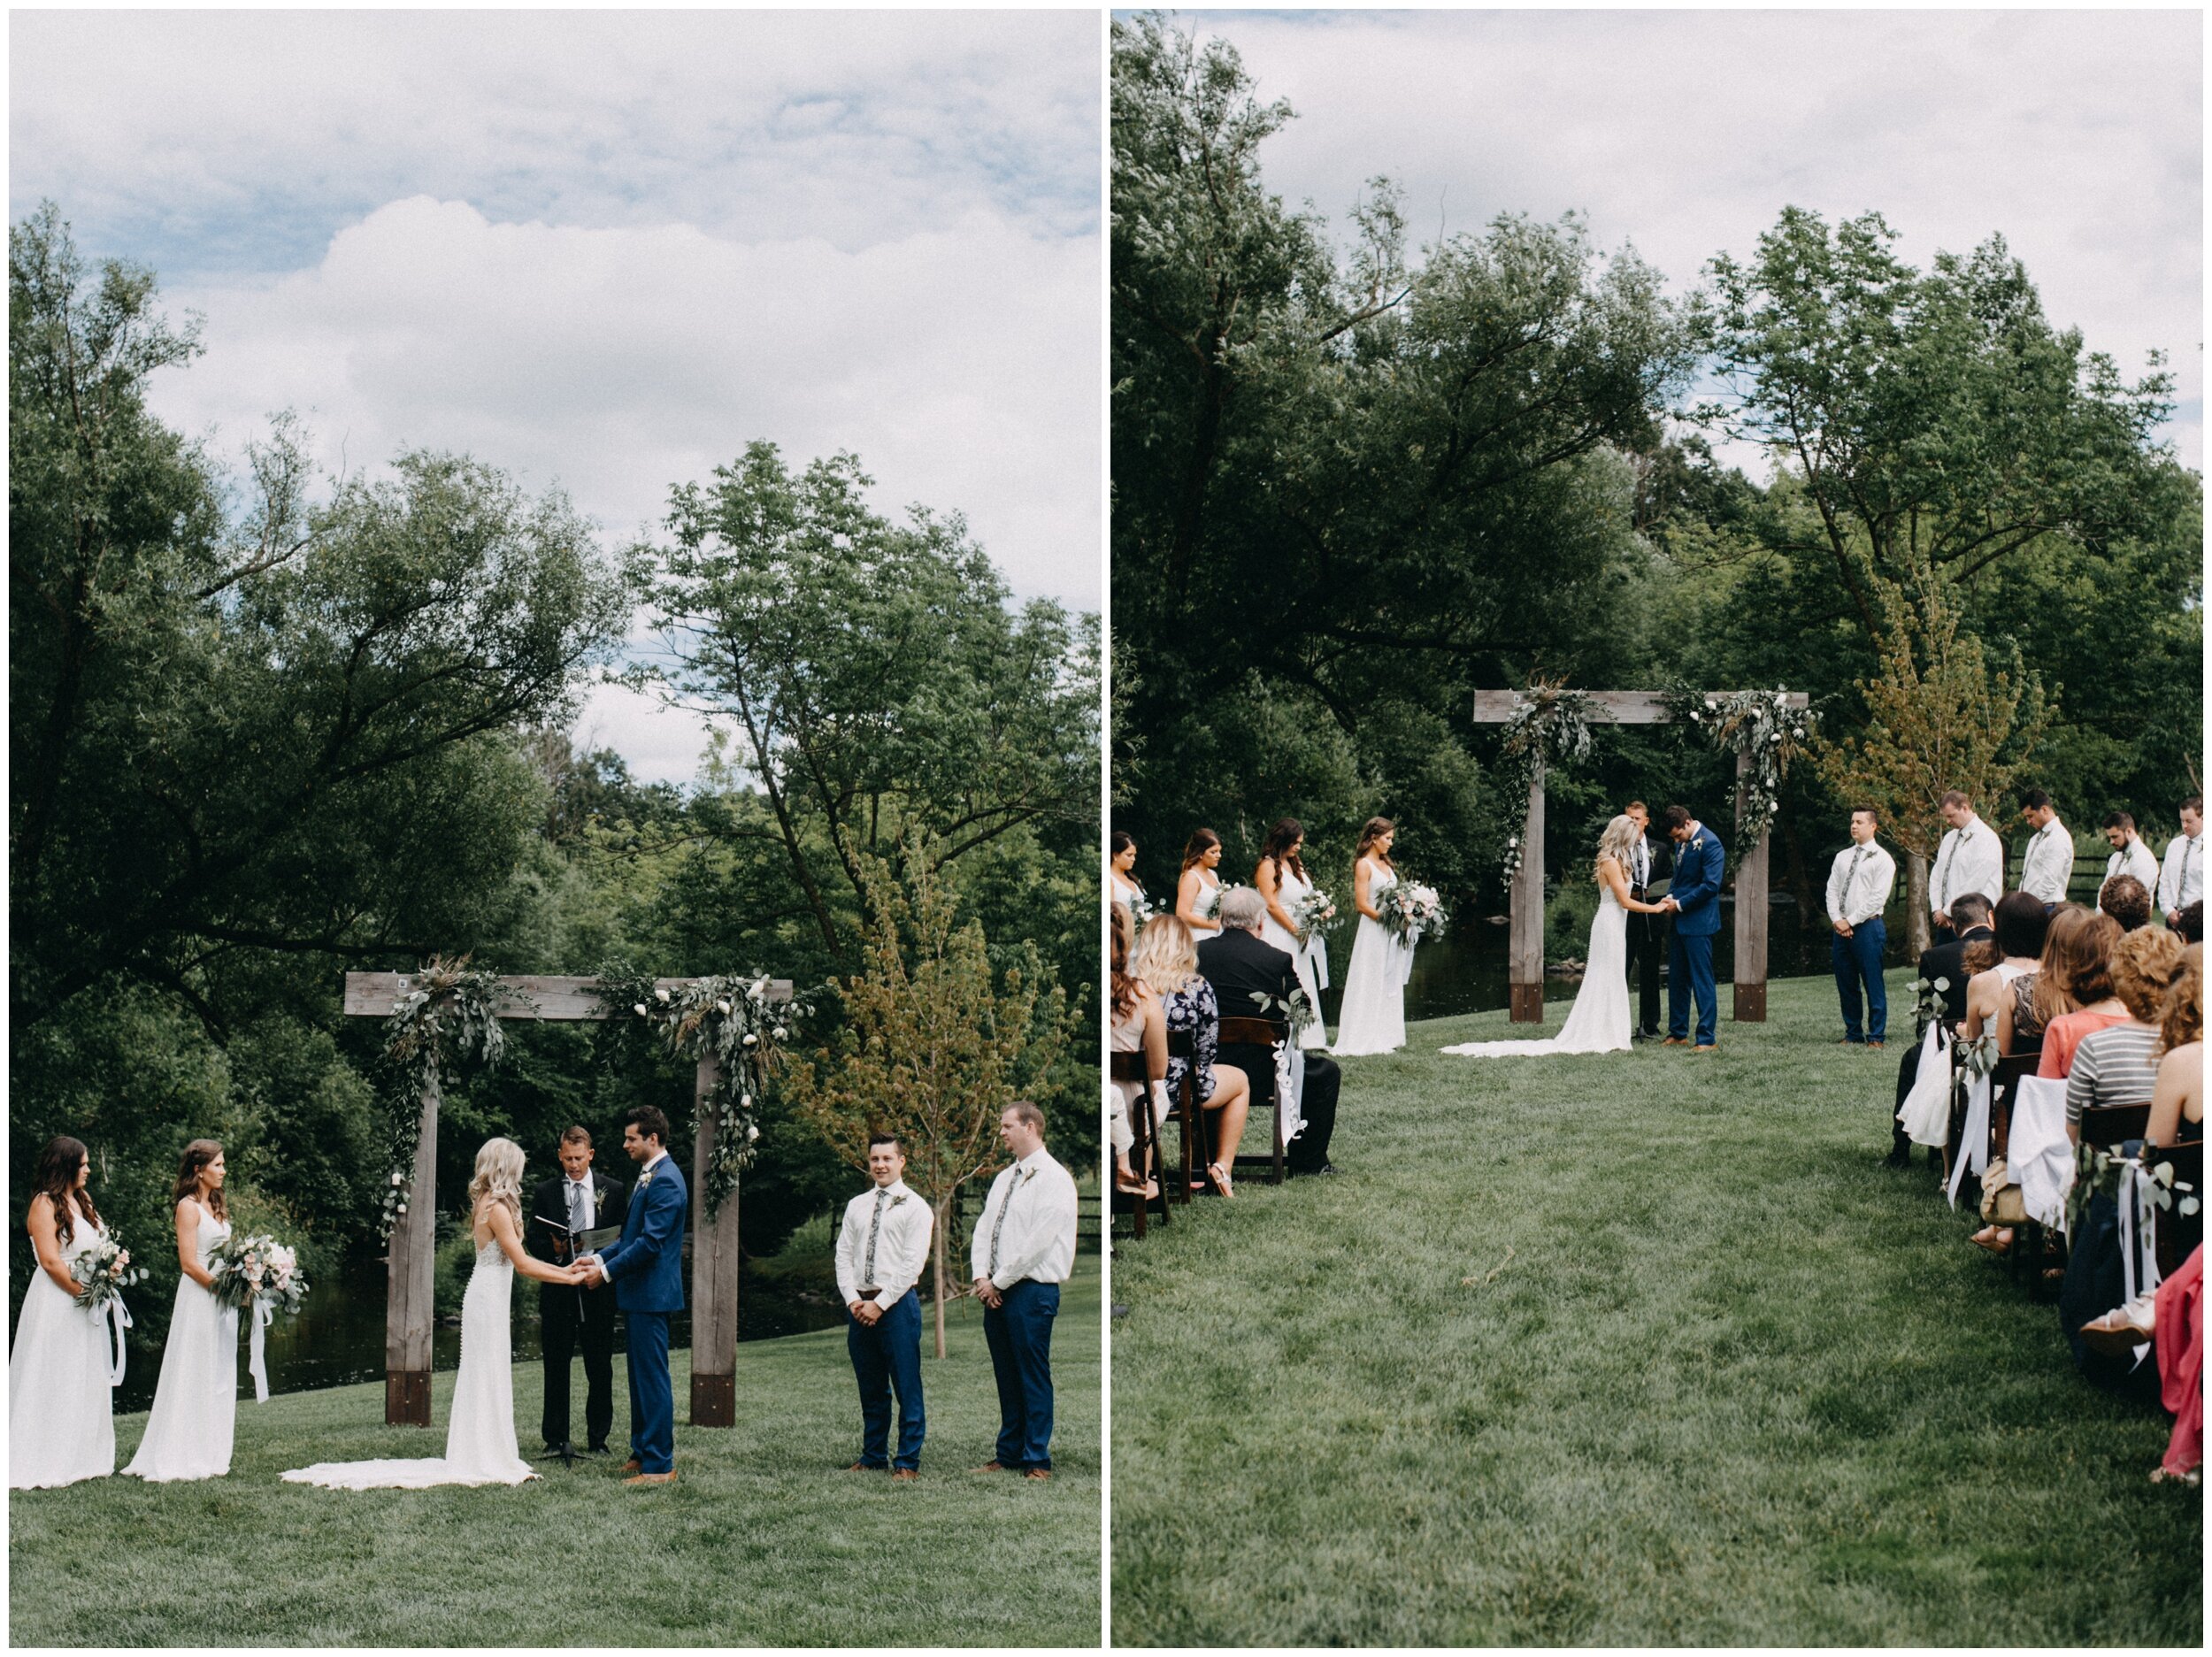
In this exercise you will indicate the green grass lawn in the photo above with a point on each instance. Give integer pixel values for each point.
(1633, 1349)
(759, 1543)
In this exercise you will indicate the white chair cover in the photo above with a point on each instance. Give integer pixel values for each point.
(2039, 1154)
(1926, 1115)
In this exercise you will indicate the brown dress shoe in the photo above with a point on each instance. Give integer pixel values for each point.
(988, 1466)
(1676, 1041)
(1707, 1047)
(633, 1466)
(1038, 1472)
(863, 1466)
(898, 1473)
(669, 1477)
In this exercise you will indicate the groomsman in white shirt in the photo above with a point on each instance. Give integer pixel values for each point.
(2181, 876)
(880, 1251)
(1971, 858)
(1859, 885)
(1023, 1250)
(2130, 855)
(2047, 863)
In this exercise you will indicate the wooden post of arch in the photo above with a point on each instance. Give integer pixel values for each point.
(412, 1255)
(1526, 969)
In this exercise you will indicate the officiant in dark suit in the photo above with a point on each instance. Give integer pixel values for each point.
(1237, 963)
(1646, 934)
(579, 1199)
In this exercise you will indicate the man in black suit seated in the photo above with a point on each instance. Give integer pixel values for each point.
(577, 1199)
(1945, 961)
(1237, 962)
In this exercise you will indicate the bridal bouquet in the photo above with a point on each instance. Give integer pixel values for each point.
(257, 1267)
(1314, 915)
(1412, 912)
(105, 1269)
(1141, 909)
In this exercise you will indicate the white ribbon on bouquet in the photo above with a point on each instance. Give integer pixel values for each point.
(118, 1319)
(260, 1312)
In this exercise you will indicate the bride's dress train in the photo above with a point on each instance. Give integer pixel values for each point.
(1599, 1021)
(480, 1443)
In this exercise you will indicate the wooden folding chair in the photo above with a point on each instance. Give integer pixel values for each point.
(1134, 1067)
(1262, 1033)
(1189, 1118)
(2109, 1125)
(2027, 1235)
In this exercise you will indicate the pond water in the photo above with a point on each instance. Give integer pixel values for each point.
(1465, 970)
(337, 1337)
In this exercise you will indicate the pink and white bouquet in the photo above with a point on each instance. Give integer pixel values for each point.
(1314, 915)
(103, 1269)
(257, 1267)
(1412, 912)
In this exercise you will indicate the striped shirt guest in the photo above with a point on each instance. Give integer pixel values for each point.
(2119, 1065)
(2048, 863)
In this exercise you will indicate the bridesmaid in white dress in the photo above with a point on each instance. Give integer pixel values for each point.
(61, 1425)
(1599, 1020)
(1372, 1017)
(188, 1434)
(479, 1441)
(1198, 889)
(1128, 890)
(1281, 879)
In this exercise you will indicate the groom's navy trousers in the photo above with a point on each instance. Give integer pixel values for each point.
(1690, 974)
(652, 1398)
(647, 1269)
(887, 1355)
(1018, 1331)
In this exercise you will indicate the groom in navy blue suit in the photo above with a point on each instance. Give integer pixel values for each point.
(1694, 896)
(647, 1269)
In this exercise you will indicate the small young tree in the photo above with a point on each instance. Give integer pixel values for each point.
(933, 1047)
(1938, 719)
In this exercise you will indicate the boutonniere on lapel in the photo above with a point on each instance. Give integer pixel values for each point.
(599, 1197)
(645, 1179)
(902, 1196)
(1697, 842)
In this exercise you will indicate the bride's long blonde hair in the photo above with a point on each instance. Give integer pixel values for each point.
(499, 1176)
(1617, 841)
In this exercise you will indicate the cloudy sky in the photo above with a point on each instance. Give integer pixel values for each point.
(606, 249)
(2078, 135)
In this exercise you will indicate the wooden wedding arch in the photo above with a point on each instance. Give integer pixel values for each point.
(414, 1245)
(1525, 969)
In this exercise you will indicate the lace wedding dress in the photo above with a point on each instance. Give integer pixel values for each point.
(479, 1444)
(196, 1402)
(1373, 1016)
(1309, 961)
(1599, 1021)
(60, 1425)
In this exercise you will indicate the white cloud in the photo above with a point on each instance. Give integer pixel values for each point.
(2076, 134)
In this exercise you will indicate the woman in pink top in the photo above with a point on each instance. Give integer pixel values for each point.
(2079, 952)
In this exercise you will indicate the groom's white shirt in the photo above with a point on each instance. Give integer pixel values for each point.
(902, 1244)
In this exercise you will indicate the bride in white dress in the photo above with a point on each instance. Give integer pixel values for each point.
(1599, 1022)
(1372, 1016)
(480, 1443)
(61, 1427)
(188, 1435)
(1198, 888)
(1281, 879)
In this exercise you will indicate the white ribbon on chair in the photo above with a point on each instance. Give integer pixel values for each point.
(1976, 1148)
(261, 1312)
(1290, 1087)
(1926, 1115)
(2138, 1227)
(118, 1319)
(2039, 1154)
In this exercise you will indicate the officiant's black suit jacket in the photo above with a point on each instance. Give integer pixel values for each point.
(550, 1201)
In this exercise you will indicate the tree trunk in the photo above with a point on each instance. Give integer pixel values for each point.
(937, 1256)
(1919, 927)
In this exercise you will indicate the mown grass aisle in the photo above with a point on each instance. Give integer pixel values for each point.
(1638, 1348)
(759, 1543)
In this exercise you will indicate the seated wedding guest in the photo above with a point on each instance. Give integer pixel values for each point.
(2190, 922)
(1198, 888)
(1122, 859)
(1023, 1250)
(1167, 960)
(1237, 965)
(2047, 862)
(2118, 1064)
(2127, 900)
(2181, 871)
(1138, 1026)
(61, 1426)
(1999, 964)
(881, 1249)
(2130, 855)
(2077, 967)
(2178, 1100)
(1970, 859)
(1945, 962)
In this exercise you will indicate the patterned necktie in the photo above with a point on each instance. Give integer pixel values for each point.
(1849, 875)
(875, 1230)
(999, 1225)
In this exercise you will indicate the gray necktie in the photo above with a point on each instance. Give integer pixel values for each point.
(578, 1213)
(875, 1230)
(1013, 1184)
